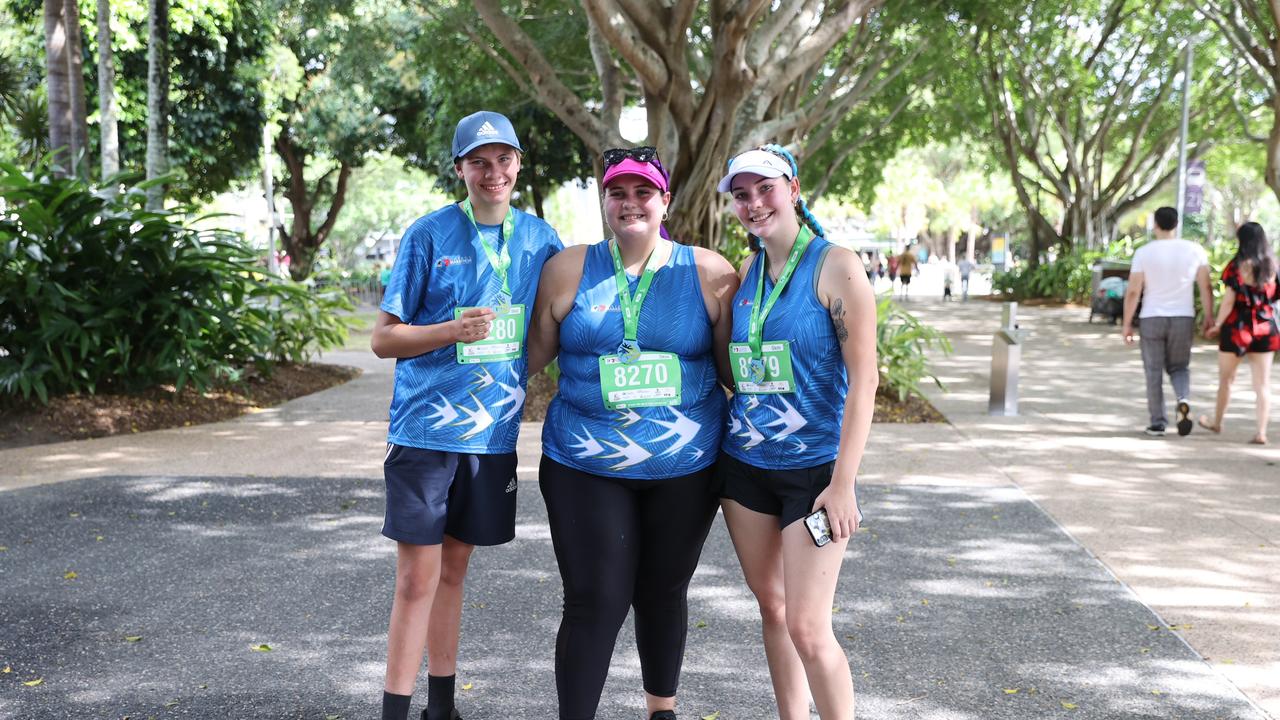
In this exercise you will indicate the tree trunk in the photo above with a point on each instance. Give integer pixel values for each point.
(300, 243)
(1273, 148)
(55, 39)
(109, 140)
(536, 194)
(157, 100)
(75, 73)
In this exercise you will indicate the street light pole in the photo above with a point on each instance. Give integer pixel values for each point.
(1182, 136)
(268, 191)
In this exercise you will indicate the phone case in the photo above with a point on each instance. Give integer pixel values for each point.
(819, 527)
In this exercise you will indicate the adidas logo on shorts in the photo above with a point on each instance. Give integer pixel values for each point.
(511, 486)
(486, 130)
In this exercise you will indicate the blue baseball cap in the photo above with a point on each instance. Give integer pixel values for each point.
(483, 128)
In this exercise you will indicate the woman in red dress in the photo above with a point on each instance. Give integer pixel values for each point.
(1246, 324)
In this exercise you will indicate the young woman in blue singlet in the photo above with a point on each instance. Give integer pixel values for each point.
(640, 325)
(804, 364)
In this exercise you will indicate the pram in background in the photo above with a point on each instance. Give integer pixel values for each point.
(1108, 299)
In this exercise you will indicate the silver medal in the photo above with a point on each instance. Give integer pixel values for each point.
(628, 351)
(756, 370)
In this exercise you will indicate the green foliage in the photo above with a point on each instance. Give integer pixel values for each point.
(1068, 278)
(22, 109)
(553, 153)
(901, 344)
(216, 49)
(384, 196)
(97, 294)
(733, 240)
(922, 96)
(215, 96)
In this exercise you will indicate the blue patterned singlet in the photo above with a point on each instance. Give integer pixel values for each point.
(649, 443)
(438, 404)
(799, 429)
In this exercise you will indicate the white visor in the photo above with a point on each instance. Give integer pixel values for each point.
(760, 162)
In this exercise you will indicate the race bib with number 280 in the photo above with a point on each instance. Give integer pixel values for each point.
(505, 341)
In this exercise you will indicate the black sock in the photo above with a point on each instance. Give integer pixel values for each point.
(395, 707)
(439, 697)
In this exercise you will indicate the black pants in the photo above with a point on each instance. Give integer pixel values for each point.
(620, 544)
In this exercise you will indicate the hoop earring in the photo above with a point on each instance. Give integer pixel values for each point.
(664, 217)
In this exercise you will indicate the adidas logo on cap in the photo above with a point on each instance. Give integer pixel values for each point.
(486, 130)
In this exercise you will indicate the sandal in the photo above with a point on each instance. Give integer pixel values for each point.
(1204, 423)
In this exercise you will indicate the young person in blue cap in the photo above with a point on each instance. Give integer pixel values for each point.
(455, 315)
(803, 357)
(640, 324)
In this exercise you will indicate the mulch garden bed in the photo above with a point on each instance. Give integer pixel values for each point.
(76, 417)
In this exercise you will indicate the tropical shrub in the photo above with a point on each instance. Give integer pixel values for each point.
(902, 342)
(98, 294)
(1068, 278)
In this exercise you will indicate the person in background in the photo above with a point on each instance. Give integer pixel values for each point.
(1246, 326)
(906, 268)
(1163, 275)
(966, 267)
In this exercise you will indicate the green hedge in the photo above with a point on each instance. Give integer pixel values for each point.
(1068, 278)
(98, 294)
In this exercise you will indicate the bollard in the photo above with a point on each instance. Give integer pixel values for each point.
(1006, 354)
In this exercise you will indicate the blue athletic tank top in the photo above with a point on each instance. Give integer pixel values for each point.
(799, 429)
(437, 403)
(649, 443)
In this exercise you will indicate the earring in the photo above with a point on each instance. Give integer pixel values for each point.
(664, 217)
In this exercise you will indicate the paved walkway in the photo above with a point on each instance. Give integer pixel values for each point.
(975, 592)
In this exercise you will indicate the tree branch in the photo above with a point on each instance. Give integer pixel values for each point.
(552, 92)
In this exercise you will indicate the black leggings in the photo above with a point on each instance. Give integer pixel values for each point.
(623, 543)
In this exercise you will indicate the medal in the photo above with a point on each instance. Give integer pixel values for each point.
(499, 261)
(628, 351)
(629, 348)
(756, 370)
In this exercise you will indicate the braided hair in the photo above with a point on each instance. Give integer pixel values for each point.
(802, 209)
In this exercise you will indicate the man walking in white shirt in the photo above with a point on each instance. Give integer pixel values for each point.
(1161, 276)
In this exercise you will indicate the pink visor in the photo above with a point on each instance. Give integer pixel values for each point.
(644, 170)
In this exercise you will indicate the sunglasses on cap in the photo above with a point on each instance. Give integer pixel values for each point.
(644, 154)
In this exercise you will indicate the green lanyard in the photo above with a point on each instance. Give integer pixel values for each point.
(755, 331)
(629, 350)
(498, 261)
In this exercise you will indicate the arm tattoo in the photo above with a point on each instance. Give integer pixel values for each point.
(837, 320)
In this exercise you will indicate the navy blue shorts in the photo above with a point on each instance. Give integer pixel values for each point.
(433, 493)
(789, 494)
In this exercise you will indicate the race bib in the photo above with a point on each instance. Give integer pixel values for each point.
(505, 341)
(651, 380)
(776, 361)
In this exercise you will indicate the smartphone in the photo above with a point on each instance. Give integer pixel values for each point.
(819, 527)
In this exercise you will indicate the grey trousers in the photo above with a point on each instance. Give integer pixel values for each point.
(1166, 347)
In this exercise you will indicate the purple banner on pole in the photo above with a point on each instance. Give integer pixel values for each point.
(1193, 202)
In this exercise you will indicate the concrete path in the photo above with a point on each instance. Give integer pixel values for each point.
(1191, 524)
(963, 599)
